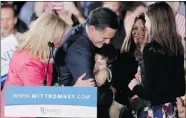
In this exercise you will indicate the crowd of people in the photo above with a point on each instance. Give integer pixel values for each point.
(133, 52)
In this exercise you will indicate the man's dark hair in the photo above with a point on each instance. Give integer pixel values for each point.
(10, 6)
(103, 17)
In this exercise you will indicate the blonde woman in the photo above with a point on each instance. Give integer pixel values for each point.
(29, 63)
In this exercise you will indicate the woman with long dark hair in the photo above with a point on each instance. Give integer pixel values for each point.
(163, 65)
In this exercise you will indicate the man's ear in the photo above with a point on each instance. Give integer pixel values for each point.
(92, 28)
(15, 20)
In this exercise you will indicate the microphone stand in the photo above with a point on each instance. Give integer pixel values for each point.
(45, 78)
(58, 72)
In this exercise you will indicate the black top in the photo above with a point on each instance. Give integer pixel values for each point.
(163, 76)
(123, 71)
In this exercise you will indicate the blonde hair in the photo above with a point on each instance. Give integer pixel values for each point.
(127, 42)
(47, 28)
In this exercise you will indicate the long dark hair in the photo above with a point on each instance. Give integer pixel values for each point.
(163, 28)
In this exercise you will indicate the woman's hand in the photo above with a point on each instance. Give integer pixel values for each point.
(84, 83)
(70, 6)
(133, 83)
(65, 7)
(138, 77)
(181, 108)
(113, 89)
(133, 98)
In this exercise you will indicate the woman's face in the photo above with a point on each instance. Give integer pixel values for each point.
(147, 23)
(57, 43)
(138, 32)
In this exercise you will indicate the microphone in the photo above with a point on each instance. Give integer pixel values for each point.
(51, 46)
(60, 83)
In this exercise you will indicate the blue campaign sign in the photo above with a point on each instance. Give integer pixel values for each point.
(43, 101)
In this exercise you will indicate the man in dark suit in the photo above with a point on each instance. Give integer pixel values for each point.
(76, 54)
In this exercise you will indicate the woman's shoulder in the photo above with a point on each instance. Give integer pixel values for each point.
(126, 55)
(154, 47)
(26, 59)
(127, 58)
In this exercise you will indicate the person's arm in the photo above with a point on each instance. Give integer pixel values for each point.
(32, 73)
(39, 8)
(102, 76)
(79, 60)
(124, 69)
(70, 6)
(79, 16)
(146, 91)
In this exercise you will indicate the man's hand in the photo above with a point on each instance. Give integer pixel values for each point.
(84, 83)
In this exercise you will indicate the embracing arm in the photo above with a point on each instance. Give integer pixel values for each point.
(79, 60)
(146, 91)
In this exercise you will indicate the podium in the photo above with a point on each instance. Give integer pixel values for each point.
(50, 101)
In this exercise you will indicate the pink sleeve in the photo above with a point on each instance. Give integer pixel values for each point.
(32, 73)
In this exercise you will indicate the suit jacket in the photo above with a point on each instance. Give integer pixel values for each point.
(75, 56)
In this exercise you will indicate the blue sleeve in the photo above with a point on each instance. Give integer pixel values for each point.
(80, 60)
